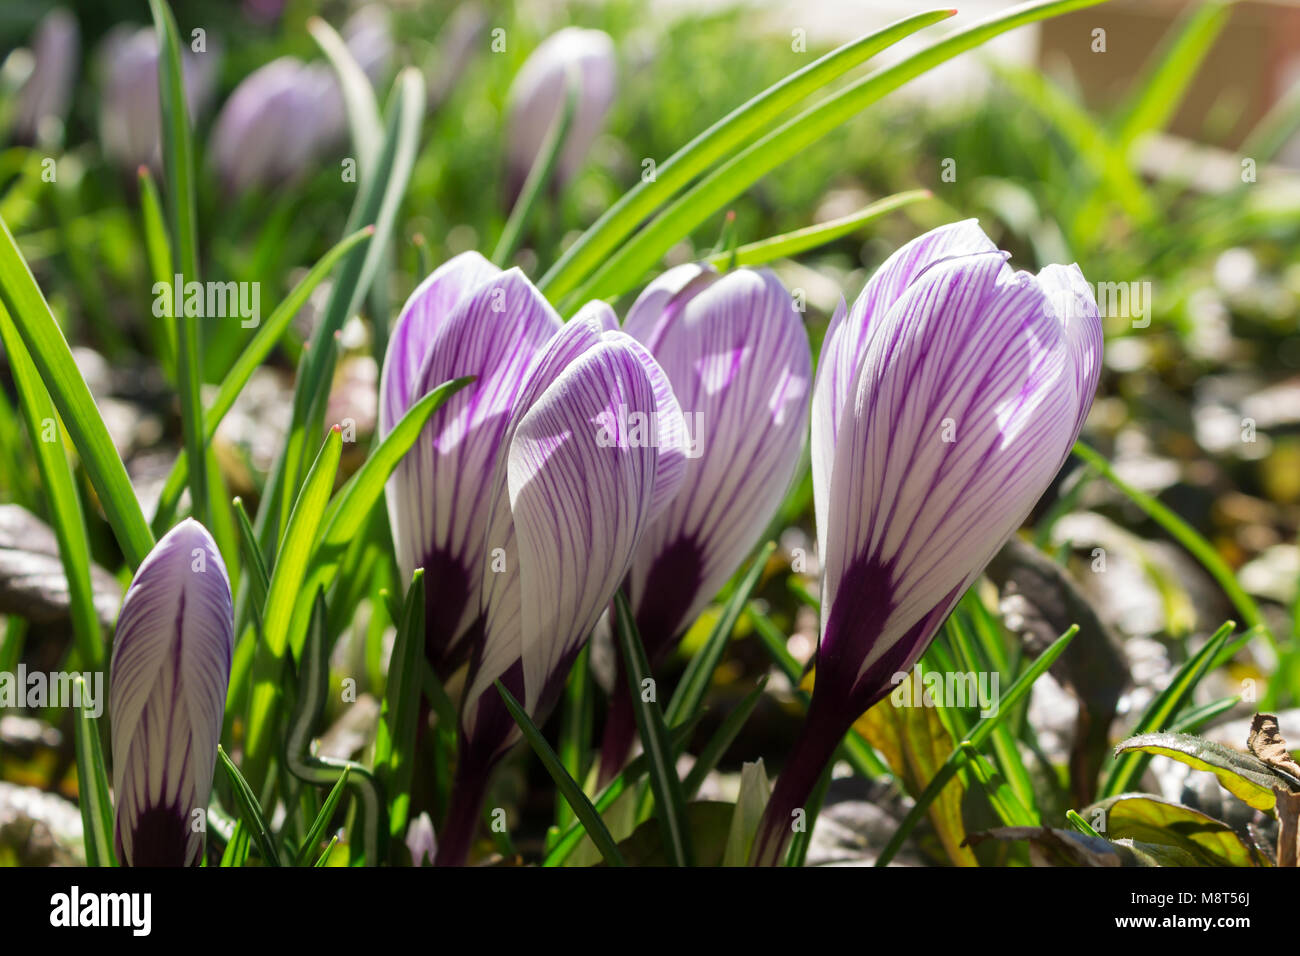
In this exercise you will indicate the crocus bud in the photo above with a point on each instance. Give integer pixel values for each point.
(43, 100)
(129, 118)
(467, 318)
(737, 355)
(537, 97)
(167, 693)
(572, 493)
(277, 123)
(945, 403)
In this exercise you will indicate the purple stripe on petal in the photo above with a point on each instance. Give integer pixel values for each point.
(167, 691)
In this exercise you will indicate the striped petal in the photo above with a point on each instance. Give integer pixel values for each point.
(847, 335)
(737, 355)
(577, 496)
(167, 693)
(439, 496)
(969, 394)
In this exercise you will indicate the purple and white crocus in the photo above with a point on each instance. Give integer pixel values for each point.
(735, 350)
(167, 693)
(537, 97)
(573, 490)
(467, 318)
(946, 401)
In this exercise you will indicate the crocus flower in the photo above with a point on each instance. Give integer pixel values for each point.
(167, 692)
(573, 491)
(737, 355)
(467, 318)
(45, 96)
(537, 97)
(128, 110)
(277, 123)
(945, 403)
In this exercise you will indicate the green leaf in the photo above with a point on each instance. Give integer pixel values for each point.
(708, 824)
(250, 811)
(298, 543)
(623, 269)
(60, 490)
(311, 842)
(1243, 775)
(716, 143)
(248, 550)
(178, 166)
(92, 787)
(49, 351)
(248, 362)
(358, 95)
(752, 800)
(540, 173)
(394, 761)
(160, 268)
(978, 734)
(670, 803)
(722, 739)
(689, 695)
(1147, 819)
(790, 244)
(1160, 91)
(582, 807)
(237, 847)
(1161, 712)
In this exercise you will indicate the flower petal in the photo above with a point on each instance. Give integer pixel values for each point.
(848, 333)
(167, 689)
(738, 359)
(964, 405)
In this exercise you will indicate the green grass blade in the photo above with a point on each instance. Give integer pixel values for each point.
(1159, 92)
(622, 270)
(394, 761)
(689, 695)
(582, 807)
(252, 556)
(1188, 537)
(790, 244)
(237, 847)
(716, 143)
(978, 734)
(178, 167)
(358, 95)
(670, 802)
(161, 268)
(250, 811)
(60, 494)
(92, 788)
(248, 362)
(722, 739)
(49, 351)
(317, 829)
(1162, 711)
(539, 174)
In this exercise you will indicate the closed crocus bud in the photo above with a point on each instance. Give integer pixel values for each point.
(467, 318)
(945, 403)
(537, 97)
(572, 493)
(167, 693)
(43, 100)
(277, 124)
(128, 110)
(736, 353)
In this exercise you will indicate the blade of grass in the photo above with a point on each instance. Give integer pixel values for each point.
(250, 811)
(317, 828)
(1161, 712)
(178, 167)
(722, 739)
(582, 807)
(717, 142)
(978, 734)
(358, 95)
(49, 351)
(160, 267)
(623, 269)
(790, 244)
(248, 362)
(394, 760)
(92, 787)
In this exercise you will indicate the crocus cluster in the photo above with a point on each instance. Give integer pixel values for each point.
(167, 694)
